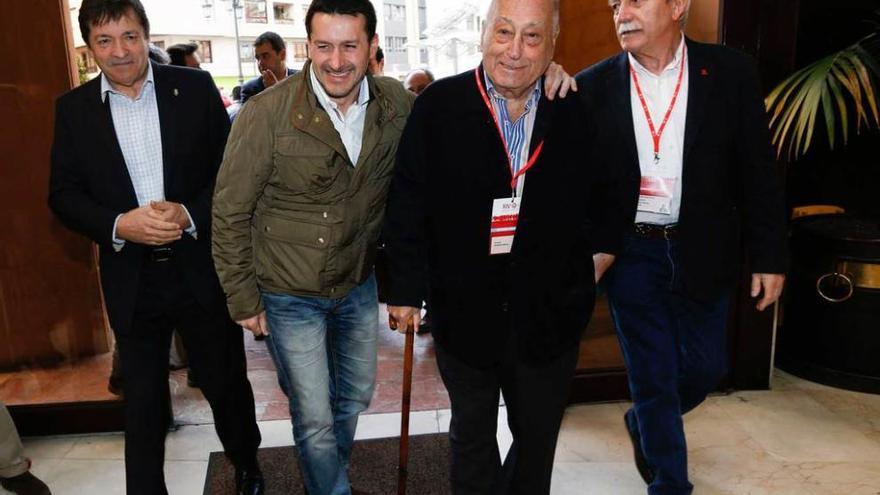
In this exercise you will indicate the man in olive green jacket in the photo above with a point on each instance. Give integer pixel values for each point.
(297, 213)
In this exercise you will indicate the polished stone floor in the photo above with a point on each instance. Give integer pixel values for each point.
(798, 439)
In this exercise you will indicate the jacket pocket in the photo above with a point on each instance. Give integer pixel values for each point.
(291, 254)
(304, 164)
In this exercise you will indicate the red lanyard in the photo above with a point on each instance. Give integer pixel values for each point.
(655, 134)
(535, 154)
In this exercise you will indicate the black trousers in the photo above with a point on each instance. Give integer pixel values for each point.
(216, 353)
(536, 397)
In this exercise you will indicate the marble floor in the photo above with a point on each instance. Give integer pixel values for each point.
(798, 439)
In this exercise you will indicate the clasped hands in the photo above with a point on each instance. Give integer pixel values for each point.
(156, 224)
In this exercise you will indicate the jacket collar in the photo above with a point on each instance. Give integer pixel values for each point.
(308, 116)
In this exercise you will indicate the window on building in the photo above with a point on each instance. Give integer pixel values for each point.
(204, 51)
(88, 61)
(255, 11)
(283, 12)
(247, 52)
(300, 51)
(158, 43)
(395, 43)
(208, 9)
(395, 12)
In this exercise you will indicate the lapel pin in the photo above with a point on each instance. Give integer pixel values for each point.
(704, 72)
(175, 89)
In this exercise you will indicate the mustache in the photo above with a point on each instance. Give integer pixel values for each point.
(628, 26)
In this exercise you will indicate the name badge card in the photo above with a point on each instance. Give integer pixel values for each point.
(505, 213)
(655, 195)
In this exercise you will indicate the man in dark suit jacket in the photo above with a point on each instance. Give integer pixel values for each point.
(271, 55)
(685, 126)
(134, 159)
(507, 322)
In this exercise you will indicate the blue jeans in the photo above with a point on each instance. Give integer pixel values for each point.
(325, 352)
(675, 349)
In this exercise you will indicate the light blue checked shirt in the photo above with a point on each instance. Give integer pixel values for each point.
(517, 135)
(136, 122)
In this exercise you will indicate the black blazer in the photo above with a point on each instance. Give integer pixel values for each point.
(730, 184)
(89, 183)
(451, 165)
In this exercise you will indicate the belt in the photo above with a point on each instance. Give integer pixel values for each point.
(654, 231)
(160, 254)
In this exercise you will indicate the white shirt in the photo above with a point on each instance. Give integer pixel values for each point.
(349, 125)
(658, 91)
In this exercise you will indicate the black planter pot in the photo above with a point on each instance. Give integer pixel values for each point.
(831, 330)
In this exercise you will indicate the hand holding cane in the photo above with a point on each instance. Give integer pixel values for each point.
(403, 459)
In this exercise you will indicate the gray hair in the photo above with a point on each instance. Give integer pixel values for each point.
(682, 23)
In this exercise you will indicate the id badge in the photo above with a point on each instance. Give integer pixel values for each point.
(505, 213)
(655, 195)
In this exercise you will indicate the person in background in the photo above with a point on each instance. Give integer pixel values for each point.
(417, 80)
(232, 110)
(377, 63)
(159, 55)
(684, 124)
(15, 474)
(184, 55)
(271, 55)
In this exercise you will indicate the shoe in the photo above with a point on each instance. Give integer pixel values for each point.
(249, 482)
(25, 484)
(425, 325)
(191, 381)
(645, 470)
(114, 385)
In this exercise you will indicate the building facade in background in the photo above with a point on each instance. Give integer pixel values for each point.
(209, 23)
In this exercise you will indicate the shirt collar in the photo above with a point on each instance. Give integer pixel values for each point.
(673, 65)
(106, 87)
(490, 89)
(324, 98)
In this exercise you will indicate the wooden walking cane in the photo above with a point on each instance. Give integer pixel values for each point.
(403, 460)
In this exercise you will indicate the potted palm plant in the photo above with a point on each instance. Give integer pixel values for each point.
(829, 334)
(843, 85)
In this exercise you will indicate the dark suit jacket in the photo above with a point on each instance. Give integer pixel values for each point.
(255, 86)
(451, 165)
(730, 183)
(90, 185)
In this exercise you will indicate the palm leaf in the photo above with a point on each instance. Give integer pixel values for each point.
(843, 86)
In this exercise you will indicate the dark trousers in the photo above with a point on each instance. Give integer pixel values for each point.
(535, 396)
(675, 352)
(216, 352)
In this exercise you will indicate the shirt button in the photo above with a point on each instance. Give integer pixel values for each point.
(321, 240)
(299, 116)
(325, 214)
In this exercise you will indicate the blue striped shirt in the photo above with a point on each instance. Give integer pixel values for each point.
(136, 122)
(517, 135)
